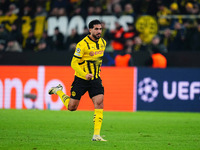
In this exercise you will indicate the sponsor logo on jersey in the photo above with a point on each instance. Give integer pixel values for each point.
(95, 53)
(99, 52)
(91, 53)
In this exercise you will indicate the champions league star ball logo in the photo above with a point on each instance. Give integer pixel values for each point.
(148, 89)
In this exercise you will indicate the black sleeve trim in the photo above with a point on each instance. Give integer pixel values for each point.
(77, 57)
(81, 62)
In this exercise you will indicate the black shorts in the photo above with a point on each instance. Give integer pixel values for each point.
(80, 86)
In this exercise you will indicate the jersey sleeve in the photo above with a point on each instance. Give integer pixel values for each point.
(79, 51)
(76, 59)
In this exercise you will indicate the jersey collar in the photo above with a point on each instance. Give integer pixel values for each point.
(92, 40)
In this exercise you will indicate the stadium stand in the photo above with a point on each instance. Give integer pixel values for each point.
(129, 25)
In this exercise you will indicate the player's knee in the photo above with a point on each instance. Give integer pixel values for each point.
(72, 108)
(99, 105)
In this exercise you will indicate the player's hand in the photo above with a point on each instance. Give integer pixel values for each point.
(89, 76)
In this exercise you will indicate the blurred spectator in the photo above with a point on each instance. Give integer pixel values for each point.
(58, 11)
(57, 39)
(129, 46)
(123, 60)
(138, 45)
(91, 11)
(156, 46)
(167, 39)
(163, 11)
(40, 11)
(62, 12)
(190, 31)
(27, 11)
(105, 33)
(12, 10)
(72, 40)
(196, 8)
(195, 46)
(110, 4)
(41, 2)
(146, 7)
(16, 34)
(117, 10)
(42, 46)
(85, 33)
(98, 10)
(2, 45)
(128, 10)
(30, 42)
(62, 6)
(117, 38)
(13, 46)
(45, 38)
(59, 3)
(130, 33)
(54, 12)
(1, 12)
(3, 32)
(178, 43)
(179, 33)
(89, 6)
(77, 11)
(3, 38)
(189, 8)
(174, 8)
(4, 4)
(157, 60)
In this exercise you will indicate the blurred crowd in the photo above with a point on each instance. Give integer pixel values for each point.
(178, 22)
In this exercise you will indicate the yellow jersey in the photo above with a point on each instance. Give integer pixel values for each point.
(88, 57)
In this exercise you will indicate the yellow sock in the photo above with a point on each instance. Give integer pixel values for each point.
(65, 98)
(98, 117)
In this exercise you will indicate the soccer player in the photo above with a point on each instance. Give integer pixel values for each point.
(86, 62)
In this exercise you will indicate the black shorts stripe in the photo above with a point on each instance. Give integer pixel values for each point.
(87, 44)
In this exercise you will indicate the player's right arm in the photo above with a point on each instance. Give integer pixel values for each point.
(75, 62)
(76, 67)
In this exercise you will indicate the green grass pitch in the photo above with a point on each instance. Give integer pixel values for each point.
(63, 130)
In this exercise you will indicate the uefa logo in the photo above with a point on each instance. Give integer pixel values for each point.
(148, 89)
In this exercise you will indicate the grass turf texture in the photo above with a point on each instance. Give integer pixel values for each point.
(55, 130)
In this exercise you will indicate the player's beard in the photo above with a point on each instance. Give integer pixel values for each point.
(97, 36)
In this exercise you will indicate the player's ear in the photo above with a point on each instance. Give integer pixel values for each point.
(90, 30)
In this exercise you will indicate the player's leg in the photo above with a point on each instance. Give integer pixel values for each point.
(58, 91)
(73, 104)
(96, 93)
(70, 103)
(98, 116)
(78, 88)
